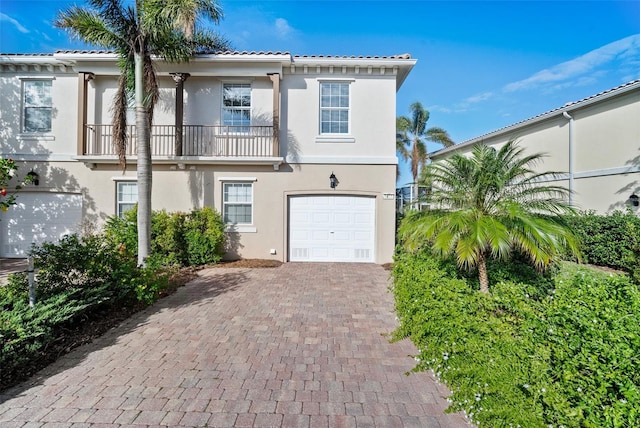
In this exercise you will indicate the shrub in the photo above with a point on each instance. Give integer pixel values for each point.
(560, 350)
(122, 232)
(84, 264)
(205, 236)
(609, 240)
(168, 244)
(190, 239)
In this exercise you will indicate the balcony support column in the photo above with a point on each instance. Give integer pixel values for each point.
(83, 82)
(275, 79)
(179, 79)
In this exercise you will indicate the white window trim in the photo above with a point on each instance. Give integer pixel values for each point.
(328, 137)
(244, 227)
(334, 138)
(24, 135)
(222, 106)
(123, 178)
(237, 179)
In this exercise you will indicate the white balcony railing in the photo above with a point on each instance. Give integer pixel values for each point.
(197, 140)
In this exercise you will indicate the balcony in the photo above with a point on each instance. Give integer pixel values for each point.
(200, 144)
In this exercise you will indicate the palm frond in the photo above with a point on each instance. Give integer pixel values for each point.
(120, 107)
(88, 26)
(439, 135)
(419, 118)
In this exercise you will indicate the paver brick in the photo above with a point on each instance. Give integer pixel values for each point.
(104, 416)
(150, 417)
(297, 346)
(198, 419)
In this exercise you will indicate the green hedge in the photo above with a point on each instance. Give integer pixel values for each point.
(611, 240)
(561, 350)
(196, 238)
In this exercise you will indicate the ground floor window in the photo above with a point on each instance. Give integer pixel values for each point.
(237, 203)
(127, 196)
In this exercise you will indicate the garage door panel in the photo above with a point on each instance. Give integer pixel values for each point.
(38, 218)
(320, 235)
(362, 218)
(321, 217)
(299, 217)
(300, 235)
(343, 202)
(361, 236)
(342, 236)
(321, 253)
(342, 253)
(342, 219)
(342, 228)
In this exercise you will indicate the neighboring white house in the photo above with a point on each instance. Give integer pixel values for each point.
(594, 142)
(256, 135)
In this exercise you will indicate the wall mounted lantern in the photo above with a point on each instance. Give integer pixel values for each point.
(333, 181)
(635, 200)
(33, 178)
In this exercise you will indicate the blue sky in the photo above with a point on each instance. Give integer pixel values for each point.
(481, 65)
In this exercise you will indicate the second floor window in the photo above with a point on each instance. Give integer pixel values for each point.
(334, 108)
(236, 106)
(36, 104)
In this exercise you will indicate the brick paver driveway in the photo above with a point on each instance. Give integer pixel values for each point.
(301, 345)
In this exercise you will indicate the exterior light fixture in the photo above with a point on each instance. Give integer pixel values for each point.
(333, 181)
(635, 200)
(33, 178)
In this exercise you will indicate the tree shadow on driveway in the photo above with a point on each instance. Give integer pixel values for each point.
(201, 291)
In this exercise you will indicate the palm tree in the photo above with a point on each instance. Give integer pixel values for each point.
(136, 32)
(489, 204)
(412, 135)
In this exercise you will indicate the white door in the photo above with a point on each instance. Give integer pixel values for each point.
(332, 229)
(38, 217)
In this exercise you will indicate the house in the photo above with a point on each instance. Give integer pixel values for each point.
(594, 142)
(296, 152)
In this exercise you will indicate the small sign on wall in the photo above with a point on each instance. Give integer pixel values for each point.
(389, 196)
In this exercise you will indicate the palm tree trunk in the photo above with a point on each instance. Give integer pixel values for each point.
(482, 273)
(143, 137)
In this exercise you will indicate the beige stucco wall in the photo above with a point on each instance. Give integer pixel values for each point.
(608, 134)
(606, 152)
(606, 193)
(62, 139)
(372, 110)
(182, 190)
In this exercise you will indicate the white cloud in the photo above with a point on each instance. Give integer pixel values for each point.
(477, 98)
(283, 29)
(438, 108)
(623, 50)
(4, 17)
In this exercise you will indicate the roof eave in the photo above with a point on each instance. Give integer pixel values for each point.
(404, 65)
(542, 117)
(8, 59)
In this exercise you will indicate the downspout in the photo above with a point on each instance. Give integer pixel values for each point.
(571, 149)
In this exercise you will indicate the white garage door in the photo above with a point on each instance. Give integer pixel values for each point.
(38, 217)
(332, 229)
